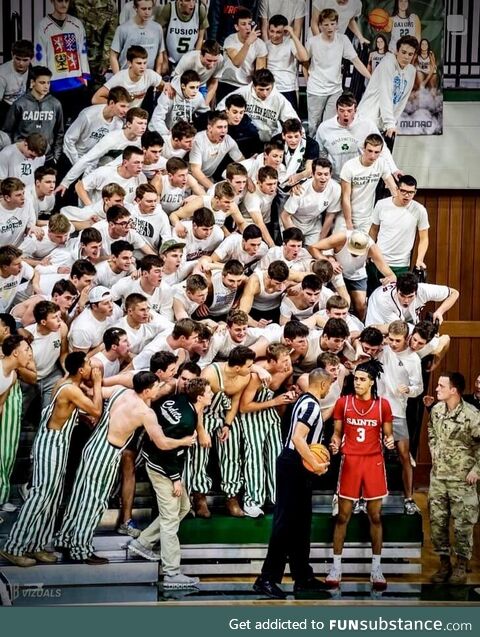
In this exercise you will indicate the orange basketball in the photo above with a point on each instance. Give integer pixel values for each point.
(378, 19)
(322, 453)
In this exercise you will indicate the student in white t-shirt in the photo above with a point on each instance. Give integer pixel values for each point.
(318, 194)
(118, 225)
(210, 148)
(12, 271)
(245, 52)
(359, 179)
(119, 265)
(14, 75)
(182, 103)
(115, 141)
(140, 31)
(149, 219)
(180, 140)
(257, 205)
(203, 235)
(40, 193)
(293, 10)
(324, 85)
(87, 329)
(395, 223)
(94, 122)
(37, 249)
(136, 78)
(348, 12)
(285, 50)
(128, 175)
(207, 62)
(22, 158)
(17, 216)
(248, 248)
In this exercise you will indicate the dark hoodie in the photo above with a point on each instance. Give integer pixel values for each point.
(28, 115)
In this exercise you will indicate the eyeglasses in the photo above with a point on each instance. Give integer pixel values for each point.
(123, 224)
(410, 193)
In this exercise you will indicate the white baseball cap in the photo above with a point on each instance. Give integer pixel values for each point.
(98, 294)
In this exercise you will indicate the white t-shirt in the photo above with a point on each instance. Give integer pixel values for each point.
(168, 151)
(209, 155)
(10, 284)
(363, 180)
(141, 336)
(300, 264)
(86, 331)
(150, 36)
(137, 89)
(341, 143)
(398, 229)
(133, 237)
(346, 12)
(13, 163)
(196, 248)
(283, 64)
(383, 305)
(191, 61)
(14, 223)
(325, 73)
(160, 300)
(106, 276)
(306, 209)
(100, 177)
(40, 206)
(242, 74)
(231, 248)
(258, 202)
(155, 227)
(399, 368)
(291, 9)
(87, 130)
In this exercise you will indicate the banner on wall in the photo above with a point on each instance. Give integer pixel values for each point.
(383, 22)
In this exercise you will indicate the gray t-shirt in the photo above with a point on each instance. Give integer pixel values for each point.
(150, 36)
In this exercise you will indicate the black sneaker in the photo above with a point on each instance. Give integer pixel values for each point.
(268, 588)
(311, 585)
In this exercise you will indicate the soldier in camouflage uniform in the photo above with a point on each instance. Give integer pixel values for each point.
(454, 441)
(100, 19)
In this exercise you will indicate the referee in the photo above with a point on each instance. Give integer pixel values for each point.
(292, 517)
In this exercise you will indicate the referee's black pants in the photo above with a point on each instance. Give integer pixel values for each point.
(292, 520)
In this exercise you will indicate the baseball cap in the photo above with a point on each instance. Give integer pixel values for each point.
(171, 244)
(358, 243)
(98, 294)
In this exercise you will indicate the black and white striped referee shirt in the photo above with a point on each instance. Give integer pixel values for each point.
(307, 411)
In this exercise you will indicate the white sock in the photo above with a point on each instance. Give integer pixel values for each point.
(337, 563)
(376, 562)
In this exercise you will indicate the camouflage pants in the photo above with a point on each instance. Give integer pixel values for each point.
(456, 500)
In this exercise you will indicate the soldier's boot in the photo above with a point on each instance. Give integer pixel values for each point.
(459, 575)
(200, 506)
(444, 571)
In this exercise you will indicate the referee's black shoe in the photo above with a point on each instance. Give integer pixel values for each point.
(311, 585)
(268, 588)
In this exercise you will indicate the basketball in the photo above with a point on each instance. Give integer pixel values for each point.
(321, 452)
(378, 19)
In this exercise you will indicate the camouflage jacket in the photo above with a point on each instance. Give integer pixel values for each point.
(454, 441)
(100, 19)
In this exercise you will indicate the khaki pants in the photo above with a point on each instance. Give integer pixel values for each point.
(172, 510)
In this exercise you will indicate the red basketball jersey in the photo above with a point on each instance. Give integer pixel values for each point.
(362, 424)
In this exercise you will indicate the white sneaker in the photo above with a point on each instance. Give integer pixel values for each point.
(334, 578)
(335, 505)
(8, 507)
(360, 507)
(179, 581)
(137, 547)
(379, 583)
(253, 511)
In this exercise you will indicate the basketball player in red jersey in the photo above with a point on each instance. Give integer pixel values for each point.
(361, 421)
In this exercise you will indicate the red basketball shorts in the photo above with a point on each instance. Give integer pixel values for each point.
(362, 476)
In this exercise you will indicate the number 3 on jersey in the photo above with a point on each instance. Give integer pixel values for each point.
(360, 434)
